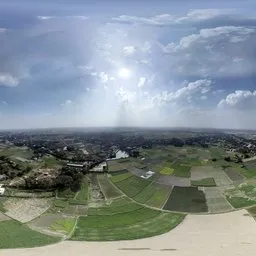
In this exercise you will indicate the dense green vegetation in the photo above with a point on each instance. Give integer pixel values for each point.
(153, 195)
(239, 202)
(120, 177)
(124, 220)
(14, 234)
(186, 199)
(132, 185)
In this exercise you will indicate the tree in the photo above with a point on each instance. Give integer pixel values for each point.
(63, 181)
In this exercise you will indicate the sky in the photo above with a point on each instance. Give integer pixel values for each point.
(127, 63)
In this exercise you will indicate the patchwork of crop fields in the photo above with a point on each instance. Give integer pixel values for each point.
(124, 220)
(107, 187)
(121, 205)
(243, 195)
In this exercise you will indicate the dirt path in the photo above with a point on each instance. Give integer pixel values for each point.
(228, 234)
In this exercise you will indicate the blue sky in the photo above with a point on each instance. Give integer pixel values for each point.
(128, 63)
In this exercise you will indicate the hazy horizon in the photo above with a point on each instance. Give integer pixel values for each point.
(167, 64)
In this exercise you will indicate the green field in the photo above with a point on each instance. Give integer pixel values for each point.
(138, 223)
(64, 225)
(107, 187)
(167, 171)
(132, 185)
(207, 182)
(120, 205)
(153, 195)
(242, 196)
(186, 199)
(120, 177)
(82, 195)
(15, 235)
(240, 202)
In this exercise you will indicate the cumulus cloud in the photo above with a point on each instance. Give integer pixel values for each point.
(8, 80)
(128, 50)
(66, 103)
(184, 94)
(214, 52)
(141, 82)
(240, 99)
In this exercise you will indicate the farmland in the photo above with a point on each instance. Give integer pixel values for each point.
(135, 223)
(139, 196)
(186, 199)
(24, 237)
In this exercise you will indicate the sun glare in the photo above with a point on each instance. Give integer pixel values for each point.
(124, 73)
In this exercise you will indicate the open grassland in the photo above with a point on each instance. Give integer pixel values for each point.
(242, 196)
(107, 187)
(186, 199)
(14, 234)
(207, 182)
(137, 223)
(153, 195)
(132, 185)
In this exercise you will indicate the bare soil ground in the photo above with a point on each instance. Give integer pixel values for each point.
(173, 181)
(25, 210)
(228, 234)
(202, 172)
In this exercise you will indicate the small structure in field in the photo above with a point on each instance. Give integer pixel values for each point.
(2, 190)
(147, 175)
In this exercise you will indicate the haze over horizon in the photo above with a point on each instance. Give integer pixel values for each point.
(136, 63)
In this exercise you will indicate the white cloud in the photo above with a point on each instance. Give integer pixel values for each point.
(66, 103)
(183, 95)
(240, 99)
(2, 30)
(8, 80)
(141, 82)
(129, 50)
(161, 19)
(203, 97)
(195, 15)
(212, 52)
(81, 17)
